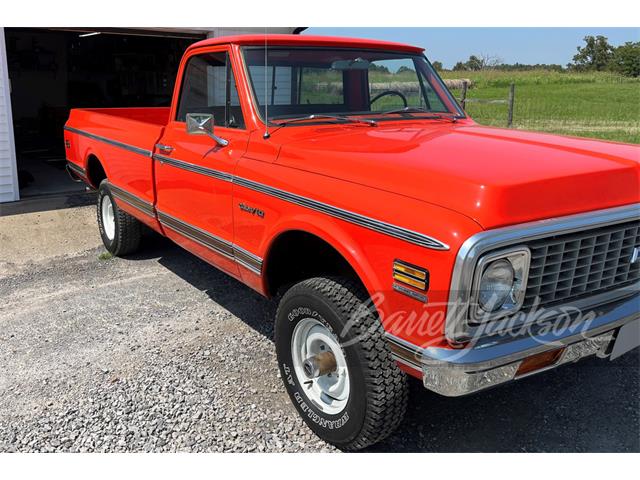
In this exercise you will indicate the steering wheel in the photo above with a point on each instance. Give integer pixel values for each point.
(387, 93)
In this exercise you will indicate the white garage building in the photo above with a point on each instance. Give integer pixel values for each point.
(45, 72)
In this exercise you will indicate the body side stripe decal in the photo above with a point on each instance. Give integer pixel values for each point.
(193, 168)
(208, 240)
(114, 143)
(233, 252)
(133, 200)
(351, 217)
(357, 219)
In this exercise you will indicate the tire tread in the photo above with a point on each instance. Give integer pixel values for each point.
(386, 385)
(128, 232)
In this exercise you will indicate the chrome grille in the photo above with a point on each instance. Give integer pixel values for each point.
(576, 265)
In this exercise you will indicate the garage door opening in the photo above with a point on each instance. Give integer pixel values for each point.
(53, 71)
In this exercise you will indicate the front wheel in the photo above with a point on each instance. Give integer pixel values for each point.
(336, 364)
(120, 232)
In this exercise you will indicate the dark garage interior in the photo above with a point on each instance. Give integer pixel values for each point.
(52, 71)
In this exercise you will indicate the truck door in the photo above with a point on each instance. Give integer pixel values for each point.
(193, 172)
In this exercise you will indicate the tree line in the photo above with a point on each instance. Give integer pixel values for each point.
(597, 54)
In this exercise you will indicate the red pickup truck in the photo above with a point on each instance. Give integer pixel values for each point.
(341, 177)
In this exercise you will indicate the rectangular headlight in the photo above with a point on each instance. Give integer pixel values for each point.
(499, 284)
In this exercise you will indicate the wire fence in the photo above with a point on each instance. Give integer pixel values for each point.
(600, 110)
(508, 101)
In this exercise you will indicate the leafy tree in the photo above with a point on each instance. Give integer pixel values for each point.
(459, 66)
(404, 68)
(525, 67)
(478, 62)
(626, 59)
(378, 68)
(595, 55)
(474, 63)
(437, 66)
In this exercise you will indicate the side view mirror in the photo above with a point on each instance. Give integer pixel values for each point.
(202, 124)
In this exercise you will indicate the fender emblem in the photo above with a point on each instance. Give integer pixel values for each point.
(252, 210)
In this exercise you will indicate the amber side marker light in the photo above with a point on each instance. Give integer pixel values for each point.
(412, 275)
(539, 361)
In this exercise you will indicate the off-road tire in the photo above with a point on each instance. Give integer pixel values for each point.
(378, 388)
(128, 229)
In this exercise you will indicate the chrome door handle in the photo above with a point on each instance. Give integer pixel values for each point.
(164, 148)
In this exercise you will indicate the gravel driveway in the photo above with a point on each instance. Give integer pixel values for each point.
(160, 352)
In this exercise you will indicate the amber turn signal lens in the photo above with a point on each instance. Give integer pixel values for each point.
(414, 272)
(409, 281)
(411, 275)
(539, 361)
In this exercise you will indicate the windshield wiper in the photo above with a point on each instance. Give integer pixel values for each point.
(322, 116)
(432, 115)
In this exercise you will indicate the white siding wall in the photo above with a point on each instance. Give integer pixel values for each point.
(8, 174)
(282, 93)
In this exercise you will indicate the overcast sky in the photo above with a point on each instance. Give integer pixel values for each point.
(523, 45)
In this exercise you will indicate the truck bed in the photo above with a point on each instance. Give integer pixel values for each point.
(136, 127)
(154, 115)
(123, 139)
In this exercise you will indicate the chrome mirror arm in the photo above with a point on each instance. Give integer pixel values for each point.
(199, 123)
(219, 140)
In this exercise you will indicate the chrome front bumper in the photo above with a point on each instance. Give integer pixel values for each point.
(496, 359)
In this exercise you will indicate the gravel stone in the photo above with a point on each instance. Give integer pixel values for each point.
(160, 352)
(128, 356)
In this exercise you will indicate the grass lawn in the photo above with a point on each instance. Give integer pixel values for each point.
(599, 105)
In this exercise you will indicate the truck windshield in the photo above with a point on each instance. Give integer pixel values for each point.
(301, 82)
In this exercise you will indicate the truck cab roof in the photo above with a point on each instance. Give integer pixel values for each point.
(306, 41)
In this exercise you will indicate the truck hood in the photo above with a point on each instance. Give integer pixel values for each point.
(494, 176)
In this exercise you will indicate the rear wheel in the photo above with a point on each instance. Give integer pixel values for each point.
(120, 232)
(336, 364)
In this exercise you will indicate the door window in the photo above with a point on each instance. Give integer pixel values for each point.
(209, 86)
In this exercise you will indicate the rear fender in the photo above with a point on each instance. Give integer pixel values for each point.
(95, 151)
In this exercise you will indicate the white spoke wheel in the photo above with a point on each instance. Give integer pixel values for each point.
(108, 217)
(329, 391)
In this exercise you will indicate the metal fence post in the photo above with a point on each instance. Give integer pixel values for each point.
(512, 94)
(463, 100)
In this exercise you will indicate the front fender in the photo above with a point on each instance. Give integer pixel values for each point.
(340, 239)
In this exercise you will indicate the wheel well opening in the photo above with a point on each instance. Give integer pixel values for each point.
(95, 171)
(298, 255)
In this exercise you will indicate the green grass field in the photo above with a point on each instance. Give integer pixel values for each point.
(599, 105)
